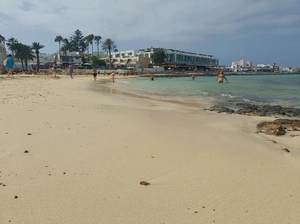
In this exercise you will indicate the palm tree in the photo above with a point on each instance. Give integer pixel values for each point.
(109, 45)
(89, 40)
(58, 39)
(2, 38)
(97, 41)
(12, 44)
(64, 49)
(37, 46)
(24, 53)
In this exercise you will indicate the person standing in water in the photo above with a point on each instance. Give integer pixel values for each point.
(221, 77)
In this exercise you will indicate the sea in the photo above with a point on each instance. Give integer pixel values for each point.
(282, 90)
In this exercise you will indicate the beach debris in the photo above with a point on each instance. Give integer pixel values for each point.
(26, 151)
(285, 150)
(277, 127)
(29, 133)
(272, 141)
(144, 183)
(16, 197)
(195, 211)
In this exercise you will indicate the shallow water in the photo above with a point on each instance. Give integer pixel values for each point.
(280, 90)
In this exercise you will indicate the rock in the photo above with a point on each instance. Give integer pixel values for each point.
(26, 151)
(285, 150)
(144, 183)
(270, 128)
(256, 110)
(221, 109)
(278, 126)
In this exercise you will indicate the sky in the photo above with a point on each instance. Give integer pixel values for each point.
(261, 31)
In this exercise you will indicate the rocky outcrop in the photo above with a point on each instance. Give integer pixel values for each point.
(256, 110)
(278, 127)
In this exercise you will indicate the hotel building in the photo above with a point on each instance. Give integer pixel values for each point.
(174, 58)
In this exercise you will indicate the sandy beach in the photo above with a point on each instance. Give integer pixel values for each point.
(70, 154)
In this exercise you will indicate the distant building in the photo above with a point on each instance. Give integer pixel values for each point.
(68, 57)
(175, 58)
(120, 60)
(241, 65)
(2, 54)
(264, 68)
(44, 58)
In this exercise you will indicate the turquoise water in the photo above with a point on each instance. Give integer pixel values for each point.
(280, 90)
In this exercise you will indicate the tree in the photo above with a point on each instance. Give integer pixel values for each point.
(158, 57)
(66, 44)
(97, 42)
(98, 62)
(76, 41)
(37, 46)
(24, 53)
(12, 44)
(2, 39)
(59, 39)
(64, 49)
(89, 40)
(109, 45)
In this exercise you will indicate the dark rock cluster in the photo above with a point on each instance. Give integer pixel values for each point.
(278, 127)
(256, 110)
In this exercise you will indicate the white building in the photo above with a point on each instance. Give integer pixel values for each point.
(2, 54)
(175, 58)
(241, 65)
(44, 58)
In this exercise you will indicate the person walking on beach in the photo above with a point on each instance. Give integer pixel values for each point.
(10, 62)
(71, 70)
(95, 74)
(221, 77)
(113, 76)
(54, 69)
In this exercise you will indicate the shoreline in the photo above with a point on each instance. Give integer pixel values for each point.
(89, 151)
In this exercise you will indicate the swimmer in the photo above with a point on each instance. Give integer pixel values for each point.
(221, 77)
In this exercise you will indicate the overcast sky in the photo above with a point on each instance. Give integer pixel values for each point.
(261, 31)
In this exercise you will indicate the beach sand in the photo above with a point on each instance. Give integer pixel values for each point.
(88, 152)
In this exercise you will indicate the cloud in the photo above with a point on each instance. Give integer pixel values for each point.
(168, 20)
(203, 26)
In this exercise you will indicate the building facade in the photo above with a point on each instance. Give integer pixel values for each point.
(241, 65)
(2, 54)
(174, 58)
